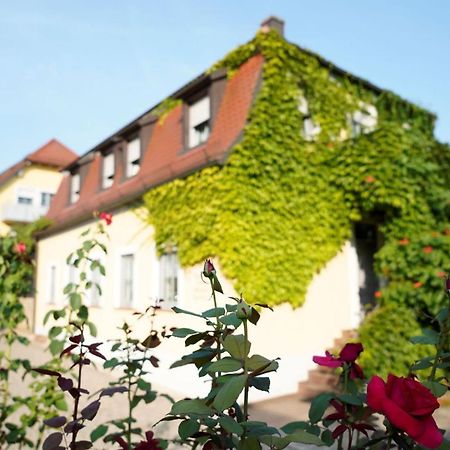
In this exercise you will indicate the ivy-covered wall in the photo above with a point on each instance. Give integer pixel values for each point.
(282, 206)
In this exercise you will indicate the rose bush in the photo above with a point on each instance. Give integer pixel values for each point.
(408, 406)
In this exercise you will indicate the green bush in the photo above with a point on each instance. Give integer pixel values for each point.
(385, 335)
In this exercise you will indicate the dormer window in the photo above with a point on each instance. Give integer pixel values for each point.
(364, 120)
(199, 121)
(108, 171)
(133, 157)
(310, 128)
(74, 187)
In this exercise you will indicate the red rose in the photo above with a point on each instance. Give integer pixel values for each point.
(408, 406)
(404, 241)
(417, 284)
(347, 355)
(107, 217)
(370, 179)
(21, 248)
(378, 294)
(428, 249)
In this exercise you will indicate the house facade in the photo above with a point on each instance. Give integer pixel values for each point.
(27, 187)
(200, 130)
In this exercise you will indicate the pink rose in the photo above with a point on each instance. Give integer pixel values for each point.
(107, 217)
(348, 355)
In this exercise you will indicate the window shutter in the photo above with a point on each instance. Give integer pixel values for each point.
(133, 157)
(108, 170)
(199, 112)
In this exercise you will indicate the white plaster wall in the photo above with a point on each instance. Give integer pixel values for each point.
(331, 306)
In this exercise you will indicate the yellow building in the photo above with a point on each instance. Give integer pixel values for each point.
(27, 187)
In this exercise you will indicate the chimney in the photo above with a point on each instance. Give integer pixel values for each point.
(273, 23)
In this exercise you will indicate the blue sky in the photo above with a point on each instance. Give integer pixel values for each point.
(80, 70)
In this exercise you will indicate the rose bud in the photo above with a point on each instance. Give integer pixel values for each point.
(243, 310)
(208, 269)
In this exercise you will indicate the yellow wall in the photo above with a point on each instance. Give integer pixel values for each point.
(294, 335)
(39, 178)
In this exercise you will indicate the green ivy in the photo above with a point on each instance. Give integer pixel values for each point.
(282, 207)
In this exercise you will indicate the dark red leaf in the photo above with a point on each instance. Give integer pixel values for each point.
(121, 442)
(81, 445)
(52, 373)
(52, 441)
(96, 353)
(151, 341)
(74, 392)
(56, 422)
(76, 339)
(68, 349)
(109, 392)
(154, 361)
(65, 383)
(91, 410)
(338, 431)
(264, 305)
(72, 426)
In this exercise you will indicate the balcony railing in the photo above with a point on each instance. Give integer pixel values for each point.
(14, 212)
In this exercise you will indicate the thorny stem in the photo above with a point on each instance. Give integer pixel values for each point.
(350, 439)
(218, 324)
(246, 389)
(77, 398)
(442, 341)
(130, 410)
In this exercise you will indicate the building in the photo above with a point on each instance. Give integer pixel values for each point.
(27, 187)
(199, 130)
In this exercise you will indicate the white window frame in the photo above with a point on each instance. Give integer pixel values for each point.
(108, 170)
(51, 194)
(160, 295)
(89, 274)
(310, 128)
(364, 120)
(52, 288)
(26, 192)
(134, 157)
(118, 285)
(199, 114)
(75, 187)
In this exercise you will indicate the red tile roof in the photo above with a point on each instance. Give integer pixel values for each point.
(53, 154)
(164, 158)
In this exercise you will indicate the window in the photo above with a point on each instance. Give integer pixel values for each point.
(364, 120)
(95, 290)
(199, 122)
(25, 196)
(46, 199)
(310, 128)
(168, 272)
(108, 171)
(75, 188)
(52, 284)
(133, 157)
(126, 281)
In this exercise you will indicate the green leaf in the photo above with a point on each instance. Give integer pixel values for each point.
(231, 319)
(275, 441)
(236, 346)
(187, 407)
(260, 383)
(183, 332)
(83, 313)
(249, 443)
(75, 300)
(143, 385)
(216, 284)
(226, 364)
(318, 406)
(437, 389)
(304, 437)
(294, 426)
(256, 362)
(429, 337)
(351, 399)
(113, 362)
(56, 347)
(92, 328)
(229, 392)
(99, 432)
(54, 331)
(230, 425)
(187, 428)
(214, 312)
(183, 311)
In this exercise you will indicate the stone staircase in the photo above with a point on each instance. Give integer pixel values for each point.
(324, 379)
